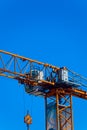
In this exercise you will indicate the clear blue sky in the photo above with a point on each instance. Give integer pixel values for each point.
(50, 31)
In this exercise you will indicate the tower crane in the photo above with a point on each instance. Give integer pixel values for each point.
(56, 84)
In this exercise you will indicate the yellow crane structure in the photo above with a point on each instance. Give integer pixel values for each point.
(56, 84)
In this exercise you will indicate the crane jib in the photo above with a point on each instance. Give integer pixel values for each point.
(34, 74)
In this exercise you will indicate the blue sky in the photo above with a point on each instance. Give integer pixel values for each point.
(50, 31)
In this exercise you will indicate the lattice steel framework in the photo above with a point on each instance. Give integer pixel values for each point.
(64, 112)
(63, 106)
(20, 68)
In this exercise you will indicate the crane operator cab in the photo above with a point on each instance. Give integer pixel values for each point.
(36, 75)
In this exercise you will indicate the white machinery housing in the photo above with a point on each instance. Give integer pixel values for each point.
(63, 75)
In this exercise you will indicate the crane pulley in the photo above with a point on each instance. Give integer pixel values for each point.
(28, 120)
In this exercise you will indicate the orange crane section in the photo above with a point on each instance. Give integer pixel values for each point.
(57, 84)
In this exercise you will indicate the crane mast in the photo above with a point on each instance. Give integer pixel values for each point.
(56, 84)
